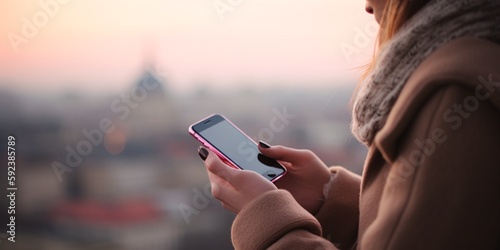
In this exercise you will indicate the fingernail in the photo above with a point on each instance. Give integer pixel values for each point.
(203, 153)
(264, 145)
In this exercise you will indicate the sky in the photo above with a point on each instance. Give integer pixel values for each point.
(101, 45)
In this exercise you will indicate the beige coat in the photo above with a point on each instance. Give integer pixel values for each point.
(431, 179)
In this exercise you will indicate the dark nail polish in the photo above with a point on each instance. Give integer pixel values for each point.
(203, 153)
(264, 145)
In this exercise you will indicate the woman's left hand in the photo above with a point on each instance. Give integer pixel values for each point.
(235, 188)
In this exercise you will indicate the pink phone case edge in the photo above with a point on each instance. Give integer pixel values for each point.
(222, 156)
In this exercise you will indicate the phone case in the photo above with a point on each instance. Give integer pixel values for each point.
(220, 154)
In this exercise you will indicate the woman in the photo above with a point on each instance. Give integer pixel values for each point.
(429, 111)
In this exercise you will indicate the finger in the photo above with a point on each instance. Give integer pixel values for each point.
(215, 165)
(217, 180)
(287, 154)
(286, 164)
(225, 193)
(228, 207)
(221, 189)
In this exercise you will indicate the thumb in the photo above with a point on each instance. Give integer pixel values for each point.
(282, 153)
(216, 166)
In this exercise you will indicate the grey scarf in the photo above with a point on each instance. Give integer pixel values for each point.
(437, 23)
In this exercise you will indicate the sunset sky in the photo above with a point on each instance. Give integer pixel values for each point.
(93, 45)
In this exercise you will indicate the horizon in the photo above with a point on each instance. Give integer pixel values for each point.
(100, 47)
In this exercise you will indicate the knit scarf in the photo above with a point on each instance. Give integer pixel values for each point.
(437, 23)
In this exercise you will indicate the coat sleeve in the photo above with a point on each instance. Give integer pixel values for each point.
(339, 215)
(276, 221)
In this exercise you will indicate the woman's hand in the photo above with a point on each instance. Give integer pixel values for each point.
(235, 188)
(306, 176)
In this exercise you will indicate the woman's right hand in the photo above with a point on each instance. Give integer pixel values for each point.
(306, 176)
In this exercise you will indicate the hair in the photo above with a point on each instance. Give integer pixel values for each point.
(396, 13)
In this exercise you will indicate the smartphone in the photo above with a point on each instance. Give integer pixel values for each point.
(234, 147)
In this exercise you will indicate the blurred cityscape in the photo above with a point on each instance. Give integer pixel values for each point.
(121, 171)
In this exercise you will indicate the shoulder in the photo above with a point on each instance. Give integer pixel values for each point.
(470, 65)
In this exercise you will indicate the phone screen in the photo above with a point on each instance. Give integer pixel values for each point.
(237, 147)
